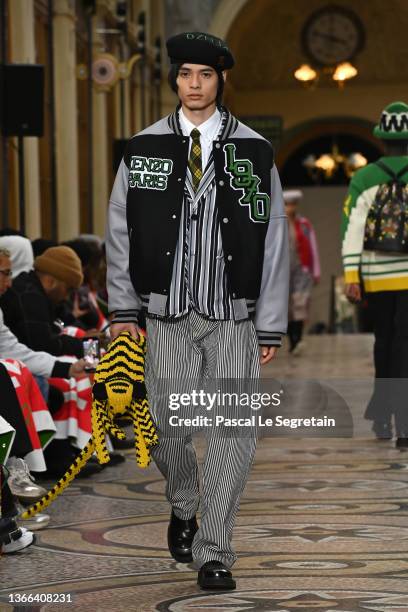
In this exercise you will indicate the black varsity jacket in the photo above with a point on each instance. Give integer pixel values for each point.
(145, 214)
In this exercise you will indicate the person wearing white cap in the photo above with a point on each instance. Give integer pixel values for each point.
(304, 268)
(21, 253)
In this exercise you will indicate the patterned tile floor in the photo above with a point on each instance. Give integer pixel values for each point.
(323, 524)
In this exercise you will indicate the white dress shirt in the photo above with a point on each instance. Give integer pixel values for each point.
(208, 132)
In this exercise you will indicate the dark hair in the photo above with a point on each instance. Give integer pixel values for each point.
(42, 244)
(172, 80)
(11, 231)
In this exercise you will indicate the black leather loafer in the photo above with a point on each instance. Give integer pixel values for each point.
(180, 537)
(214, 575)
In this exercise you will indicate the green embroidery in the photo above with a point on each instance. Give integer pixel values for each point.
(149, 172)
(243, 179)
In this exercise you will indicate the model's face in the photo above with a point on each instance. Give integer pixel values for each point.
(197, 86)
(5, 274)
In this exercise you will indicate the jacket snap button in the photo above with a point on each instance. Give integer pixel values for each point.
(168, 253)
(225, 220)
(179, 180)
(229, 257)
(217, 146)
(174, 217)
(221, 183)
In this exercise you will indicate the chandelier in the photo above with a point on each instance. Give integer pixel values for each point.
(327, 164)
(340, 74)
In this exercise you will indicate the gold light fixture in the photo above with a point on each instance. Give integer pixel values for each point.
(356, 161)
(344, 72)
(340, 73)
(305, 73)
(327, 164)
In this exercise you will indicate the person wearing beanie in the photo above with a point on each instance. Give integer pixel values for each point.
(197, 241)
(38, 362)
(28, 305)
(375, 260)
(62, 264)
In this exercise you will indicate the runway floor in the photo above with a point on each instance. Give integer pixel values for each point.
(323, 524)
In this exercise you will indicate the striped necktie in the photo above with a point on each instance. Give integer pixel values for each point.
(195, 160)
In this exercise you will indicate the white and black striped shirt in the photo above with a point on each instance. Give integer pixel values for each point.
(199, 275)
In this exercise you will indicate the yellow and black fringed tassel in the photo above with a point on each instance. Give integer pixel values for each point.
(118, 391)
(63, 482)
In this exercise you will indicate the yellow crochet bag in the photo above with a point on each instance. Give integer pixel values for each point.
(118, 391)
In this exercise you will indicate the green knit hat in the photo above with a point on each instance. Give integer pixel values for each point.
(393, 123)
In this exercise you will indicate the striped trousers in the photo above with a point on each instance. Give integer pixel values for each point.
(194, 347)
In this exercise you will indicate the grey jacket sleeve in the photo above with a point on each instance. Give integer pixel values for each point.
(122, 299)
(38, 362)
(271, 318)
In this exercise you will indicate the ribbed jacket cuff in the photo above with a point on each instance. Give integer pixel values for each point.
(266, 338)
(125, 316)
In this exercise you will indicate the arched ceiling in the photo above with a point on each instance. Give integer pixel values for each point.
(265, 39)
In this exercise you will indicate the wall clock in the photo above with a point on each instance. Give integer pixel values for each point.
(332, 35)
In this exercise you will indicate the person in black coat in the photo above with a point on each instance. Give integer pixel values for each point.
(28, 306)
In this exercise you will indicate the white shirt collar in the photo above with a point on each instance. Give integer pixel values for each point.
(208, 129)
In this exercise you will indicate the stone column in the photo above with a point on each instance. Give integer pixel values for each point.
(22, 51)
(66, 119)
(122, 113)
(101, 173)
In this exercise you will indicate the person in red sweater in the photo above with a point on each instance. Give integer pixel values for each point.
(304, 268)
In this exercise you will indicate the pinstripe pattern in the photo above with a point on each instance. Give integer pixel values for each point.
(199, 273)
(197, 348)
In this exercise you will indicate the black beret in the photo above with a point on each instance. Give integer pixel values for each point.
(199, 48)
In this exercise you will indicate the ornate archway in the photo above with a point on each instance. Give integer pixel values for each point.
(350, 135)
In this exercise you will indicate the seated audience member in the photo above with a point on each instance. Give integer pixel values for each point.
(78, 310)
(28, 305)
(21, 253)
(72, 415)
(84, 305)
(41, 364)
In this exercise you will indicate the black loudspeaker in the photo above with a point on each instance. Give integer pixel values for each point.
(119, 145)
(22, 99)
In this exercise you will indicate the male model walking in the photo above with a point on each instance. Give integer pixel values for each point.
(197, 238)
(375, 251)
